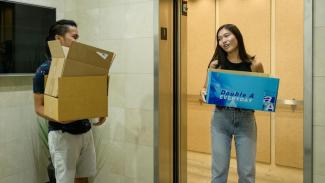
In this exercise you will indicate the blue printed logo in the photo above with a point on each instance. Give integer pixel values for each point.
(268, 103)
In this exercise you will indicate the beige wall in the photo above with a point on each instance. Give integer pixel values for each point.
(201, 44)
(319, 88)
(288, 55)
(253, 18)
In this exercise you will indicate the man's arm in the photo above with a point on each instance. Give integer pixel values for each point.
(39, 104)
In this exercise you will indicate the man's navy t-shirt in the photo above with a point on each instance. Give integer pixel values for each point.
(77, 127)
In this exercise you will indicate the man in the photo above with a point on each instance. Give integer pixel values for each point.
(71, 145)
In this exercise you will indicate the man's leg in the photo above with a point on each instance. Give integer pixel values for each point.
(86, 165)
(64, 153)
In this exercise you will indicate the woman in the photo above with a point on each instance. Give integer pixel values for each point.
(71, 145)
(227, 122)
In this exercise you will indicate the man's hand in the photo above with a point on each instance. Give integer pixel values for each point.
(203, 94)
(100, 121)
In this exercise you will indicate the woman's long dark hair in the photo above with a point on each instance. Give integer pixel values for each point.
(60, 28)
(221, 55)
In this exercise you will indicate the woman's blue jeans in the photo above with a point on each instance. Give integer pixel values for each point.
(240, 124)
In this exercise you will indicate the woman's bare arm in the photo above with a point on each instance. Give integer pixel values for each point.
(257, 67)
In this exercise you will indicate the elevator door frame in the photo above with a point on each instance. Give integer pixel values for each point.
(308, 99)
(169, 95)
(308, 90)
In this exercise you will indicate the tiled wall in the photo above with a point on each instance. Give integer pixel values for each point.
(22, 158)
(319, 88)
(16, 123)
(124, 143)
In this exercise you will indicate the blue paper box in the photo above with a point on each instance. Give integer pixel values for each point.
(244, 90)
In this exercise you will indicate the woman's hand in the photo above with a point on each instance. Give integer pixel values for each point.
(203, 91)
(100, 121)
(203, 94)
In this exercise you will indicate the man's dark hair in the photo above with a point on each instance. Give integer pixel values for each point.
(60, 27)
(67, 22)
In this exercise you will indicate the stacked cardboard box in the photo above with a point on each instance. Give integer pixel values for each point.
(77, 84)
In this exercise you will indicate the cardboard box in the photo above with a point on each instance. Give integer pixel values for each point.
(80, 97)
(246, 90)
(77, 84)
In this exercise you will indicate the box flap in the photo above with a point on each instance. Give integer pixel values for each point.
(88, 55)
(56, 69)
(79, 60)
(65, 51)
(75, 68)
(57, 51)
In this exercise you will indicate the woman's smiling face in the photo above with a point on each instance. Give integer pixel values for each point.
(227, 40)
